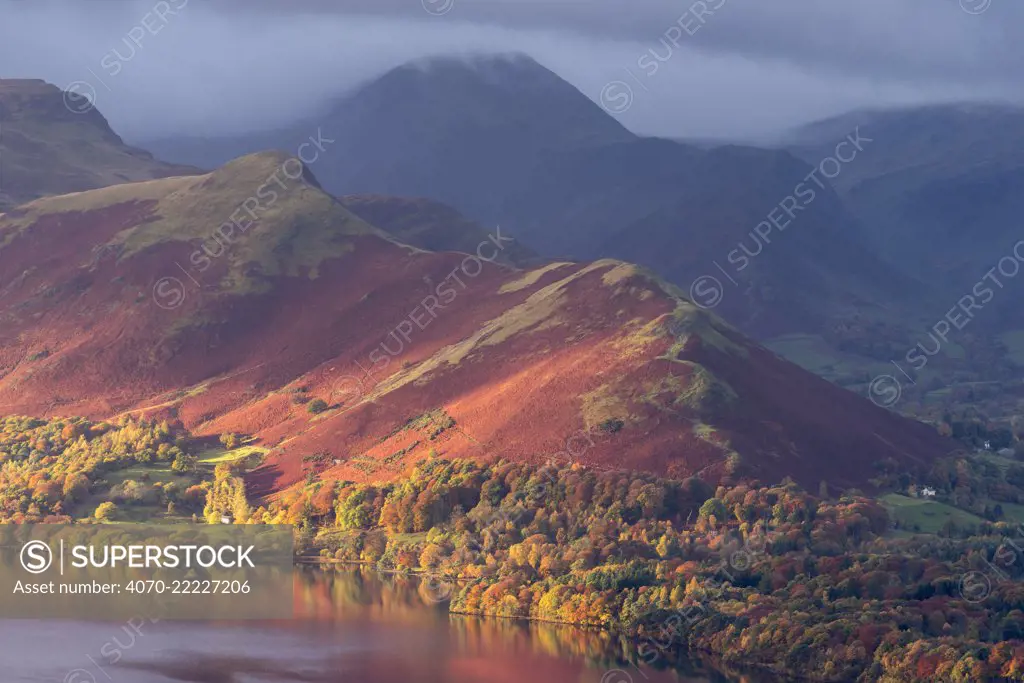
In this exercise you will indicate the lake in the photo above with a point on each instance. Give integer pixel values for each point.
(351, 625)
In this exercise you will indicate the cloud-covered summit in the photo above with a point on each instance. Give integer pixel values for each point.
(727, 68)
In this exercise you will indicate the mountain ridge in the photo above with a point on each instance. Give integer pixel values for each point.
(312, 302)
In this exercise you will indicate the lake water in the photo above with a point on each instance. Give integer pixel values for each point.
(354, 625)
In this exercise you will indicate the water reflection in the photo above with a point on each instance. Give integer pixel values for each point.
(350, 625)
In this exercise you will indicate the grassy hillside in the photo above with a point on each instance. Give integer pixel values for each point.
(50, 146)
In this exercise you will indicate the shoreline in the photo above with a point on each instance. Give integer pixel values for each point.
(715, 658)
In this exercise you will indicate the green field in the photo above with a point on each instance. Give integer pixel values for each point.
(147, 474)
(997, 460)
(155, 473)
(218, 455)
(161, 473)
(1012, 512)
(926, 516)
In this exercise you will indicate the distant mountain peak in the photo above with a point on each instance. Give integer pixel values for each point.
(459, 94)
(25, 84)
(56, 142)
(476, 60)
(500, 69)
(35, 99)
(511, 71)
(914, 118)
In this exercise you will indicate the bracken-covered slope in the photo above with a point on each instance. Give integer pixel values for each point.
(122, 300)
(53, 142)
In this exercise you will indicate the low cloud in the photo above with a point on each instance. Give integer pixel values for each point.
(752, 68)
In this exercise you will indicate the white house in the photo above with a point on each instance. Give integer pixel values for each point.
(922, 492)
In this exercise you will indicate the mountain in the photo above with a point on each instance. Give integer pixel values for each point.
(431, 225)
(53, 142)
(939, 194)
(507, 142)
(942, 188)
(775, 271)
(500, 138)
(492, 124)
(341, 348)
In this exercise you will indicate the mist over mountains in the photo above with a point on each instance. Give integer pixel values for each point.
(786, 63)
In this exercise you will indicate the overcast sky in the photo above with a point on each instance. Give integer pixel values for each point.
(750, 68)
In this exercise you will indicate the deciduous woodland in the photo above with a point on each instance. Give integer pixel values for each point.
(770, 576)
(73, 469)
